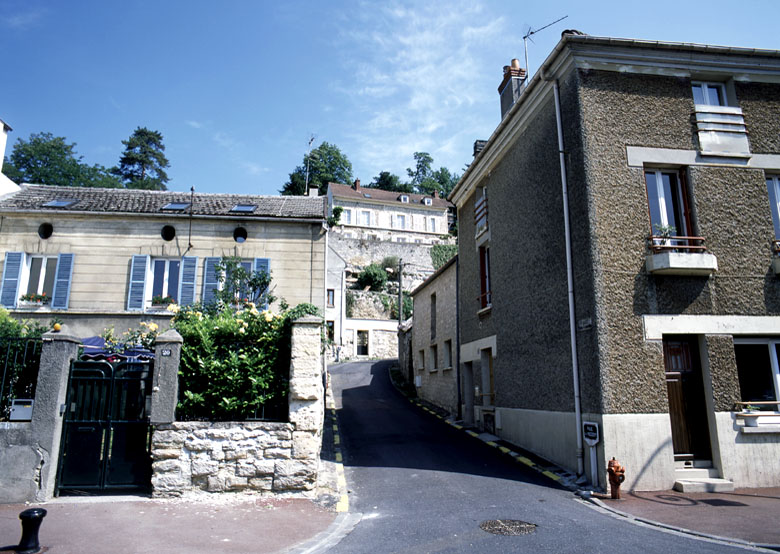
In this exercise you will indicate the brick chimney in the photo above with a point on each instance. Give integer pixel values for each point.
(511, 86)
(479, 146)
(357, 184)
(435, 193)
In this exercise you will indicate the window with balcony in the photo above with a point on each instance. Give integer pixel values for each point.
(675, 250)
(773, 188)
(36, 280)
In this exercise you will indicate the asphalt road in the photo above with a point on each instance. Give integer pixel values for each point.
(423, 486)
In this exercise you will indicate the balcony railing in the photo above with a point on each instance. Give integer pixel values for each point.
(677, 244)
(481, 214)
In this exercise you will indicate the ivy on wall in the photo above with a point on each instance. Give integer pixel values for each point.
(442, 253)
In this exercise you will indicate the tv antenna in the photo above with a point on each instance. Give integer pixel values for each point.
(533, 32)
(308, 158)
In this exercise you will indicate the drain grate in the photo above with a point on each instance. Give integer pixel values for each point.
(510, 527)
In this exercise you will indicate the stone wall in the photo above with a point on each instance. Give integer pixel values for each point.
(228, 456)
(260, 456)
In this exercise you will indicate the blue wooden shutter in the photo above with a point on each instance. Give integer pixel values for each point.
(210, 280)
(137, 288)
(189, 265)
(12, 270)
(264, 265)
(62, 282)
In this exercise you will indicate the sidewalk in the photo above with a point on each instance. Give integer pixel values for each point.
(745, 514)
(135, 525)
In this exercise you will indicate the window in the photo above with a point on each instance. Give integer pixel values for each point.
(404, 199)
(362, 343)
(346, 217)
(59, 203)
(38, 275)
(176, 206)
(481, 211)
(427, 201)
(432, 223)
(667, 197)
(773, 187)
(757, 370)
(331, 298)
(161, 278)
(433, 316)
(434, 358)
(418, 241)
(330, 327)
(421, 360)
(400, 221)
(243, 208)
(447, 354)
(709, 94)
(400, 239)
(365, 218)
(485, 297)
(211, 279)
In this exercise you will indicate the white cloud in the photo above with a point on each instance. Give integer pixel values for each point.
(194, 124)
(420, 82)
(22, 19)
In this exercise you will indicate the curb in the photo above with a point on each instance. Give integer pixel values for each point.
(636, 519)
(331, 419)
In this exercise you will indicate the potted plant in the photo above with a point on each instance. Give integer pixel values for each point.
(33, 300)
(160, 301)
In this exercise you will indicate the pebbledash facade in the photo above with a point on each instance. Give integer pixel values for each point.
(102, 255)
(655, 313)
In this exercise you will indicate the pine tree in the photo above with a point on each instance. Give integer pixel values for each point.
(143, 163)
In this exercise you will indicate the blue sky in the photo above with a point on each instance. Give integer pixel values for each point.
(237, 88)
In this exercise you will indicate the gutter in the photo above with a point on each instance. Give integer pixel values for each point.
(166, 216)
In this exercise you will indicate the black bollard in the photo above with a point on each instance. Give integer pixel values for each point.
(31, 523)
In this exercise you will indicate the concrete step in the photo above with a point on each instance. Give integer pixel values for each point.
(696, 473)
(708, 484)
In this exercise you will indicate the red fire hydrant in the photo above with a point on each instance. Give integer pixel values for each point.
(617, 474)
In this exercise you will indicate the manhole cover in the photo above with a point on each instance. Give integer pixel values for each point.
(512, 527)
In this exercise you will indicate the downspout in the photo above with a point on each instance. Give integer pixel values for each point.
(457, 334)
(575, 366)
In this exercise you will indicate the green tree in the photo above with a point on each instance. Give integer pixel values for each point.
(326, 164)
(427, 181)
(143, 163)
(389, 181)
(49, 160)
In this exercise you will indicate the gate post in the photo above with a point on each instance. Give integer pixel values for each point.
(59, 350)
(165, 383)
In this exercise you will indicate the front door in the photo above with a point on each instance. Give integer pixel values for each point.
(687, 407)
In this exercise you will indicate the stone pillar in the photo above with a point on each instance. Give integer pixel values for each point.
(59, 350)
(306, 403)
(165, 382)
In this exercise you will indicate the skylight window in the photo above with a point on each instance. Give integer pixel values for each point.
(176, 206)
(244, 208)
(366, 195)
(59, 203)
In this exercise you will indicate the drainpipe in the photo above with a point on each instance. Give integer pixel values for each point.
(457, 334)
(575, 366)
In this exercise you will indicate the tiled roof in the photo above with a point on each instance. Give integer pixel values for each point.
(346, 191)
(97, 200)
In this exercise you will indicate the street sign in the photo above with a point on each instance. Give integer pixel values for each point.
(590, 432)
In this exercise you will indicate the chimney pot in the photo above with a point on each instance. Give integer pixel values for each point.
(511, 86)
(357, 184)
(435, 193)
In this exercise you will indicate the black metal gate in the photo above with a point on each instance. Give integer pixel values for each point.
(106, 434)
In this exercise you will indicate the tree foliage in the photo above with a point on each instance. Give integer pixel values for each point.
(326, 164)
(48, 160)
(389, 181)
(442, 253)
(143, 163)
(373, 276)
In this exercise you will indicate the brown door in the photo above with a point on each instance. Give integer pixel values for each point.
(687, 407)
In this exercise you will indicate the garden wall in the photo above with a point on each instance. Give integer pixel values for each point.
(251, 455)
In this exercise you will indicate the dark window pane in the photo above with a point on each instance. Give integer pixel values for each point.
(159, 278)
(698, 95)
(35, 276)
(173, 279)
(714, 96)
(755, 373)
(774, 203)
(48, 277)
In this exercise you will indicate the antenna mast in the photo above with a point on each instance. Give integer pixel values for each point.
(533, 32)
(308, 158)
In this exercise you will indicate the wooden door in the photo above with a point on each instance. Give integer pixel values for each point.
(687, 407)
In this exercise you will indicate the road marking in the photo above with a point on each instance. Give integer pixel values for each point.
(335, 428)
(551, 475)
(472, 433)
(526, 461)
(336, 439)
(339, 459)
(505, 450)
(491, 443)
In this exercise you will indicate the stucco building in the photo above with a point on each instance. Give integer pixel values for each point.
(434, 338)
(617, 252)
(102, 255)
(376, 214)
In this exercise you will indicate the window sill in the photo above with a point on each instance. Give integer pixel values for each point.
(760, 430)
(434, 370)
(449, 368)
(701, 264)
(484, 311)
(23, 306)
